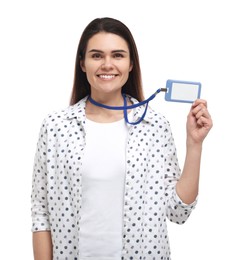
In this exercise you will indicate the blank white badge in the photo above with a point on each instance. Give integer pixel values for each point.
(182, 91)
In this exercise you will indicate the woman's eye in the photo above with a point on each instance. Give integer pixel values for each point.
(118, 55)
(96, 56)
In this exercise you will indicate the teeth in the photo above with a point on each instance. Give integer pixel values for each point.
(106, 76)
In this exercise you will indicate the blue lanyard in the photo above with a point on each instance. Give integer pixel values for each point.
(125, 107)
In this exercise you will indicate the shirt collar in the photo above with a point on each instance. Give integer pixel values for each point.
(138, 112)
(77, 110)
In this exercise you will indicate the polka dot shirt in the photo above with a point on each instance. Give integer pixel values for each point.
(150, 197)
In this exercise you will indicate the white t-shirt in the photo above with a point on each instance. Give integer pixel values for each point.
(103, 177)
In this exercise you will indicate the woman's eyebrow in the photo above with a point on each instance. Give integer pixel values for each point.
(95, 50)
(114, 51)
(119, 51)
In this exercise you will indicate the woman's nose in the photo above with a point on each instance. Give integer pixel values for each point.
(107, 64)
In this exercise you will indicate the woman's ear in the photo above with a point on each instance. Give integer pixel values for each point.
(82, 65)
(131, 66)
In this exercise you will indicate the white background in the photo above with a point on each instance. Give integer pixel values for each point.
(182, 40)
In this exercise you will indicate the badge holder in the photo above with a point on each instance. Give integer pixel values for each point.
(182, 91)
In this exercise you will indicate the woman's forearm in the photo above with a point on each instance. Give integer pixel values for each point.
(187, 186)
(199, 123)
(42, 245)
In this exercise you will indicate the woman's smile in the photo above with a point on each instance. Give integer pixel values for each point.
(107, 76)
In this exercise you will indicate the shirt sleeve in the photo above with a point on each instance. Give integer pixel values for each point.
(177, 211)
(39, 209)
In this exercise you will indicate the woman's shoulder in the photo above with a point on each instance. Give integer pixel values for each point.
(66, 114)
(156, 116)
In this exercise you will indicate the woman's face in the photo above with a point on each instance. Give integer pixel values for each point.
(107, 63)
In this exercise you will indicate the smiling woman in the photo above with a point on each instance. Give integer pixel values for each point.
(103, 189)
(107, 68)
(116, 31)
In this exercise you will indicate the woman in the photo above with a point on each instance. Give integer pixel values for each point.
(102, 189)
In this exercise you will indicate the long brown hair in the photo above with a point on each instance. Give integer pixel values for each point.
(81, 87)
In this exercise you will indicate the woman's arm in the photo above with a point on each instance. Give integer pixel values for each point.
(42, 245)
(199, 124)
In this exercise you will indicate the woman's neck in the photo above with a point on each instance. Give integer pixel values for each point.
(103, 115)
(109, 99)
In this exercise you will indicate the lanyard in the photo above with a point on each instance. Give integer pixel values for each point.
(125, 107)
